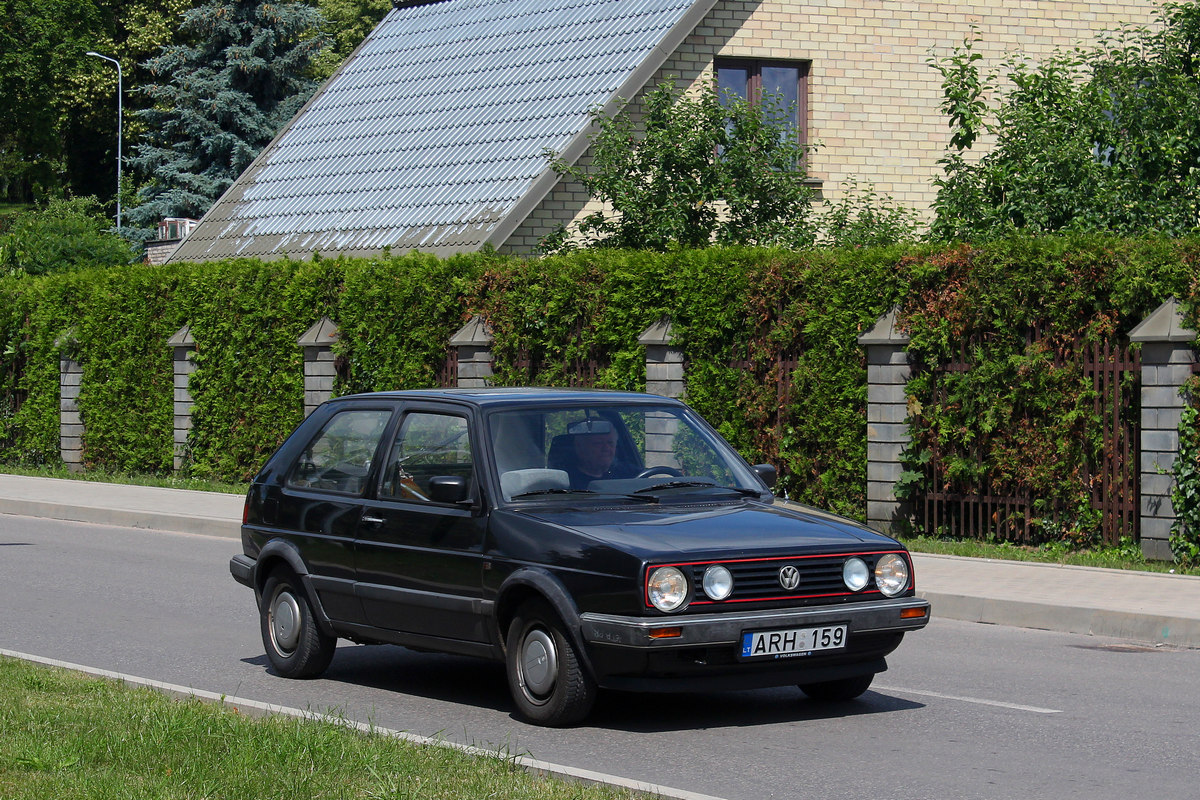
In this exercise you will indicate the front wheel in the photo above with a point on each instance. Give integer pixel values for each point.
(295, 645)
(839, 690)
(545, 676)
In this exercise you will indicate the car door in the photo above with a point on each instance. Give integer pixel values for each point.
(419, 561)
(321, 501)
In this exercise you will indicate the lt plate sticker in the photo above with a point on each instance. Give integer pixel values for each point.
(792, 643)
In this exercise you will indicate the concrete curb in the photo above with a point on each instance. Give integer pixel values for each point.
(1177, 631)
(153, 520)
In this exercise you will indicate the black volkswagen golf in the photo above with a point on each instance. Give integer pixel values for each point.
(587, 539)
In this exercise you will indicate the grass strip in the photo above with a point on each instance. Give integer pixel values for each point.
(98, 476)
(65, 735)
(1127, 556)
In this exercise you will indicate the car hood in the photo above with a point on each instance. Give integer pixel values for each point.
(742, 529)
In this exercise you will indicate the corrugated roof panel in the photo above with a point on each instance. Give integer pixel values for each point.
(436, 129)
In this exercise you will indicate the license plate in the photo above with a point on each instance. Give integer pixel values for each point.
(793, 643)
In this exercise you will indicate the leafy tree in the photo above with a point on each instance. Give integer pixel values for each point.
(58, 126)
(347, 22)
(1106, 139)
(41, 42)
(1150, 130)
(221, 98)
(863, 218)
(690, 172)
(64, 235)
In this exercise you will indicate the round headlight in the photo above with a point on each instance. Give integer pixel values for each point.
(718, 582)
(855, 574)
(667, 589)
(891, 574)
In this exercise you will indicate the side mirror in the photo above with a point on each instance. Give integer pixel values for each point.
(449, 489)
(767, 473)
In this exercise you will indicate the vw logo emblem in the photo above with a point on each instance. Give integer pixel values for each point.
(789, 577)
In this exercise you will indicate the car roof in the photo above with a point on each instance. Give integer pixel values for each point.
(516, 396)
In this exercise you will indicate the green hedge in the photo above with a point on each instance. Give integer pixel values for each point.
(396, 314)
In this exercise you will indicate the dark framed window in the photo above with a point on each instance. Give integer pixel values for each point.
(428, 444)
(339, 457)
(785, 81)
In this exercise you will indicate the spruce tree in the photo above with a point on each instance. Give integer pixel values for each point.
(221, 98)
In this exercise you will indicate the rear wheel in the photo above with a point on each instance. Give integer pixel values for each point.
(545, 676)
(839, 690)
(295, 645)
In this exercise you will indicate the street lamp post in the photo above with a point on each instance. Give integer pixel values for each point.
(120, 119)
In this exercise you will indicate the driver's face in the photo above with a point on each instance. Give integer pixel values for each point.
(595, 452)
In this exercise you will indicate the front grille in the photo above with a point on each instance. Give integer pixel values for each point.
(757, 580)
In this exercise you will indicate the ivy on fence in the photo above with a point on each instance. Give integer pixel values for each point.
(1185, 496)
(1022, 418)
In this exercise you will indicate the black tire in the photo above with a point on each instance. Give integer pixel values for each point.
(839, 690)
(547, 681)
(295, 645)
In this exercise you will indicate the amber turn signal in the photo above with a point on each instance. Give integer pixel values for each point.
(913, 613)
(666, 633)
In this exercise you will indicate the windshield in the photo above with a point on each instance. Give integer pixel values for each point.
(639, 451)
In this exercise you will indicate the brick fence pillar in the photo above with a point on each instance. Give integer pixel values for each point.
(664, 364)
(888, 371)
(1167, 358)
(665, 376)
(70, 423)
(183, 349)
(474, 343)
(320, 371)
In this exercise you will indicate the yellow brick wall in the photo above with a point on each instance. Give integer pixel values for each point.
(873, 98)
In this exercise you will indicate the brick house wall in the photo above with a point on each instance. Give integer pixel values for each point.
(159, 250)
(873, 98)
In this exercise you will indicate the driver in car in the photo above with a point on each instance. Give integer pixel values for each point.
(595, 447)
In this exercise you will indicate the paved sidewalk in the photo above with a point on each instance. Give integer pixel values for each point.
(180, 510)
(1139, 606)
(1142, 606)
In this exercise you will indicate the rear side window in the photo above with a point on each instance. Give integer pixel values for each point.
(338, 458)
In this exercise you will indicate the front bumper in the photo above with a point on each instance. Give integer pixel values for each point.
(706, 630)
(705, 653)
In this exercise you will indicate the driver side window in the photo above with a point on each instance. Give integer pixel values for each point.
(427, 445)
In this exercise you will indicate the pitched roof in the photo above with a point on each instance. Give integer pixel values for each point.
(432, 135)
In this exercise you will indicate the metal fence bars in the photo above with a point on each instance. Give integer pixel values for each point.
(983, 508)
(447, 374)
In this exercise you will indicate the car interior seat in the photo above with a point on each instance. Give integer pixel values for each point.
(562, 452)
(514, 446)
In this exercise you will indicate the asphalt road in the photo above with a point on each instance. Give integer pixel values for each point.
(966, 711)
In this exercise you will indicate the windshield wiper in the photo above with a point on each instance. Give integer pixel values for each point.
(552, 491)
(699, 485)
(536, 492)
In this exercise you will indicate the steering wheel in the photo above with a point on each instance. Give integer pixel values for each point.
(648, 471)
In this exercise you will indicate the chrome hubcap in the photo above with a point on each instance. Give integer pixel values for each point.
(539, 662)
(285, 622)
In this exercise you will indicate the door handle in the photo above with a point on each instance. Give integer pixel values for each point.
(373, 520)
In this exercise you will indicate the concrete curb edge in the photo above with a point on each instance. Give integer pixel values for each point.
(1156, 629)
(153, 520)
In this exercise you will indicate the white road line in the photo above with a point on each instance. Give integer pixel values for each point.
(529, 764)
(975, 700)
